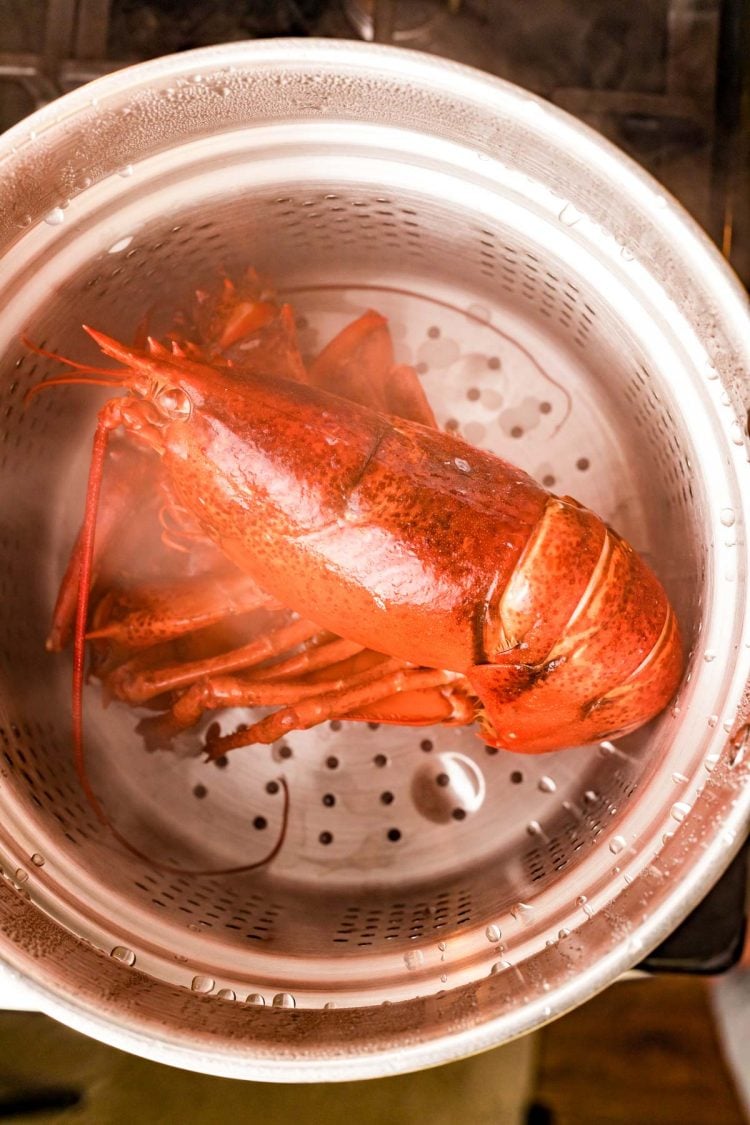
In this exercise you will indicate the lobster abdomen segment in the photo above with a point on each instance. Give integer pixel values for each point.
(613, 664)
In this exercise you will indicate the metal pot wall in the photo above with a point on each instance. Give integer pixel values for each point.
(564, 311)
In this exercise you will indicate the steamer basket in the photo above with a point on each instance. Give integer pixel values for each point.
(562, 311)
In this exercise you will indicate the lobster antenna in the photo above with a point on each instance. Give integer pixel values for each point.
(66, 380)
(88, 533)
(110, 377)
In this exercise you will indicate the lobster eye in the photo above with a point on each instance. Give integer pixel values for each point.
(175, 403)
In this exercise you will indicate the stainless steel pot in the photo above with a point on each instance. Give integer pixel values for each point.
(563, 311)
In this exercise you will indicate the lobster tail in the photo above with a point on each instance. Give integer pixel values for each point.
(616, 656)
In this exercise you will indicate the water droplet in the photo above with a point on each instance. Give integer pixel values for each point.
(590, 796)
(461, 465)
(736, 434)
(710, 762)
(675, 710)
(122, 244)
(54, 217)
(493, 933)
(534, 828)
(709, 655)
(414, 959)
(523, 913)
(443, 978)
(499, 967)
(126, 171)
(442, 946)
(227, 994)
(728, 836)
(328, 1003)
(202, 984)
(617, 843)
(120, 953)
(546, 785)
(626, 254)
(256, 999)
(284, 1000)
(24, 221)
(679, 778)
(570, 215)
(727, 516)
(713, 720)
(21, 875)
(739, 746)
(563, 933)
(37, 860)
(546, 1011)
(679, 811)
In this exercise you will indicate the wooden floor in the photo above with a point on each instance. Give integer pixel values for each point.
(645, 1052)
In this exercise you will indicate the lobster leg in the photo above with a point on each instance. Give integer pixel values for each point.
(448, 706)
(358, 364)
(405, 396)
(311, 660)
(334, 661)
(151, 614)
(383, 682)
(237, 691)
(138, 687)
(355, 363)
(261, 689)
(244, 326)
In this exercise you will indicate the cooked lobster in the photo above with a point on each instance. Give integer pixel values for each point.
(323, 549)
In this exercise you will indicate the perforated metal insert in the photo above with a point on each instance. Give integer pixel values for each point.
(398, 839)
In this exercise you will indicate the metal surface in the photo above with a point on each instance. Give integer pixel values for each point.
(562, 311)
